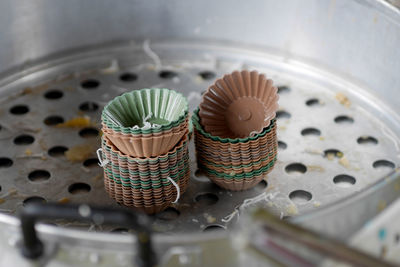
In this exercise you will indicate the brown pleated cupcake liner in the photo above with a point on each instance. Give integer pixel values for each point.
(238, 104)
(151, 145)
(235, 146)
(242, 154)
(227, 155)
(238, 185)
(154, 179)
(240, 168)
(149, 201)
(146, 146)
(137, 164)
(146, 170)
(159, 167)
(245, 158)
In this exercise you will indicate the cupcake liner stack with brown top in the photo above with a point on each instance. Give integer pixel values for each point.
(235, 130)
(145, 148)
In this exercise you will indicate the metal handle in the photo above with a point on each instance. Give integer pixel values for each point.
(32, 247)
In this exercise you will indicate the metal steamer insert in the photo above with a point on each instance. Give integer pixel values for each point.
(328, 147)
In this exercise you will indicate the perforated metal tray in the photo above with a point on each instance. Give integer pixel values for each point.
(333, 139)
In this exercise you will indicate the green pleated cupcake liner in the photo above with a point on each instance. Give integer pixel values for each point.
(233, 175)
(146, 111)
(197, 125)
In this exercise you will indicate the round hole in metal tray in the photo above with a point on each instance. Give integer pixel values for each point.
(57, 151)
(199, 175)
(19, 109)
(214, 227)
(33, 199)
(120, 230)
(283, 89)
(344, 180)
(261, 185)
(383, 164)
(296, 168)
(5, 162)
(168, 214)
(89, 106)
(88, 132)
(206, 199)
(207, 75)
(282, 114)
(313, 102)
(333, 153)
(300, 196)
(367, 140)
(282, 145)
(167, 74)
(90, 84)
(310, 132)
(24, 139)
(53, 120)
(39, 175)
(128, 77)
(91, 162)
(344, 119)
(53, 94)
(79, 188)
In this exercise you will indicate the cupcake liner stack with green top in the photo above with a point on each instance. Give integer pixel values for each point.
(235, 130)
(145, 148)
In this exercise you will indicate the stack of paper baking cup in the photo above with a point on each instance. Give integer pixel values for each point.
(235, 130)
(145, 148)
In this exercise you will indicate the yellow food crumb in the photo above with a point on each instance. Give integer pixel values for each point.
(79, 152)
(343, 100)
(63, 200)
(381, 205)
(211, 219)
(315, 168)
(344, 162)
(321, 138)
(397, 186)
(75, 122)
(282, 128)
(317, 204)
(314, 151)
(291, 209)
(330, 156)
(28, 152)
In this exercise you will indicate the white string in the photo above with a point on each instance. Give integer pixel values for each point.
(102, 163)
(152, 54)
(178, 190)
(229, 217)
